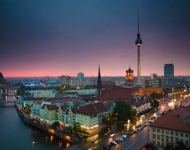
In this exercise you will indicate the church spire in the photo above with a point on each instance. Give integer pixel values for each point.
(99, 83)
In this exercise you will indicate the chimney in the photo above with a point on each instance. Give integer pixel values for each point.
(178, 115)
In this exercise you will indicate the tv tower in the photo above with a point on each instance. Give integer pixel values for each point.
(138, 42)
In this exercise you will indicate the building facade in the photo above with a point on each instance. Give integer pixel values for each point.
(171, 127)
(65, 80)
(129, 77)
(153, 83)
(168, 71)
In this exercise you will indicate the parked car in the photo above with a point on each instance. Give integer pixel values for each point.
(113, 143)
(118, 140)
(106, 147)
(135, 131)
(124, 136)
(94, 139)
(121, 139)
(130, 132)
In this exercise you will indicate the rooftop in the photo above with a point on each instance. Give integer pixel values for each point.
(174, 120)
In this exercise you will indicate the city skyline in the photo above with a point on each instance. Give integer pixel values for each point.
(54, 38)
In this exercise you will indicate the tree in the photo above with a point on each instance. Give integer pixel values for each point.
(133, 113)
(55, 124)
(77, 127)
(122, 111)
(179, 146)
(69, 129)
(154, 103)
(169, 147)
(155, 95)
(109, 120)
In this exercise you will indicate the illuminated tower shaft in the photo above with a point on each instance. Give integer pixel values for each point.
(138, 67)
(138, 42)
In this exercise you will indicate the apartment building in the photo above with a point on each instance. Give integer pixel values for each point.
(171, 127)
(48, 113)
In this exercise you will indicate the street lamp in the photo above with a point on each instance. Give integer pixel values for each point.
(33, 142)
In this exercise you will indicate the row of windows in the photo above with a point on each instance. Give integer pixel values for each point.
(171, 132)
(186, 142)
(168, 138)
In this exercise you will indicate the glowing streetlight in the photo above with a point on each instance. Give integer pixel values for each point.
(128, 121)
(33, 142)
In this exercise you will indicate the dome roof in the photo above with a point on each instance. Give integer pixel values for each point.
(153, 74)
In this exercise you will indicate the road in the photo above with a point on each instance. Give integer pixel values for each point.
(134, 142)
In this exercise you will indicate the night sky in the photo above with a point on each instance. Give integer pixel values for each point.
(64, 37)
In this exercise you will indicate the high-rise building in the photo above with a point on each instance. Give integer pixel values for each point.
(80, 75)
(138, 42)
(66, 80)
(168, 71)
(129, 77)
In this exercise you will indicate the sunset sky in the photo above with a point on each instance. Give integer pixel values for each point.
(64, 37)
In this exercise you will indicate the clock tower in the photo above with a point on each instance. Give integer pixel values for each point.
(129, 77)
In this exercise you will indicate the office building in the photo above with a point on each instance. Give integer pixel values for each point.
(168, 71)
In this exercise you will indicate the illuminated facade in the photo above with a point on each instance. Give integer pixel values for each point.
(43, 93)
(48, 113)
(153, 83)
(88, 122)
(129, 77)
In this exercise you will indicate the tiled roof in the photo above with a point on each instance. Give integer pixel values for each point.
(88, 97)
(123, 94)
(37, 102)
(93, 109)
(108, 103)
(137, 103)
(118, 94)
(74, 110)
(62, 100)
(183, 111)
(50, 107)
(64, 108)
(31, 98)
(173, 120)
